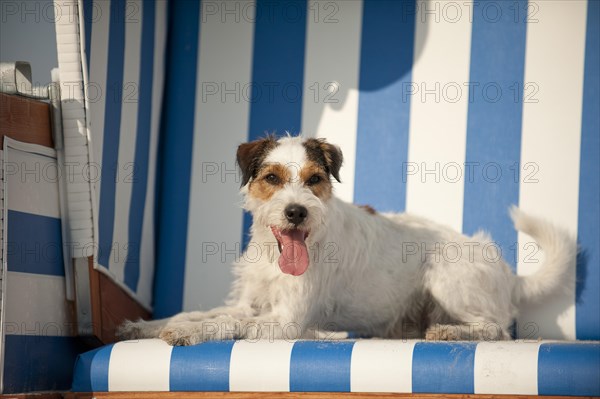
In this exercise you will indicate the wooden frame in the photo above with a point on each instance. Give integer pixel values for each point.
(48, 395)
(25, 119)
(111, 305)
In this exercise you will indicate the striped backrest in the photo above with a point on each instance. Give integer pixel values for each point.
(125, 57)
(450, 110)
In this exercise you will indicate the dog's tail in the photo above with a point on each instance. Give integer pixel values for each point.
(560, 250)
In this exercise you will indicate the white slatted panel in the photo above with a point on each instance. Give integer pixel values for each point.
(75, 150)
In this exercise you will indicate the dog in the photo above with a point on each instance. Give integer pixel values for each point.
(319, 267)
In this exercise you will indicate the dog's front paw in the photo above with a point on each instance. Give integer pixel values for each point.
(192, 333)
(174, 337)
(182, 334)
(324, 335)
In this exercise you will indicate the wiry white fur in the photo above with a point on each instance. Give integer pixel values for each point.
(382, 275)
(291, 154)
(560, 250)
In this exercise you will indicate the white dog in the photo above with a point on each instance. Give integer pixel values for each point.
(317, 264)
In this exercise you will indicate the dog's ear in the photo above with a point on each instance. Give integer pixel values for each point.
(328, 155)
(250, 156)
(334, 159)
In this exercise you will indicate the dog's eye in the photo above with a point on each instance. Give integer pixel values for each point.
(272, 178)
(314, 179)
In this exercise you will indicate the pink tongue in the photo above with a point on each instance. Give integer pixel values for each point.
(294, 254)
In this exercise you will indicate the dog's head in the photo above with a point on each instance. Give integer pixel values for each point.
(287, 184)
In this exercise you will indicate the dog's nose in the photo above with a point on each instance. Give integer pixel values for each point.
(295, 213)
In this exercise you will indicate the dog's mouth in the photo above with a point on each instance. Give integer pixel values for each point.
(293, 258)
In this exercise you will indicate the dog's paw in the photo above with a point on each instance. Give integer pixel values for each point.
(441, 332)
(177, 337)
(324, 335)
(184, 334)
(192, 333)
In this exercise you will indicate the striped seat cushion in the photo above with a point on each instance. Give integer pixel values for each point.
(557, 368)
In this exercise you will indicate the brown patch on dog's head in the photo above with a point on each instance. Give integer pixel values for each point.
(250, 157)
(316, 178)
(327, 155)
(270, 178)
(368, 208)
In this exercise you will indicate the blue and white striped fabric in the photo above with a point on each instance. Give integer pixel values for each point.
(450, 111)
(518, 368)
(38, 323)
(124, 47)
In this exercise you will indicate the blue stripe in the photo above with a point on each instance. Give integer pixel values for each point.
(588, 262)
(569, 369)
(494, 124)
(277, 73)
(142, 148)
(176, 143)
(34, 244)
(88, 15)
(91, 370)
(443, 367)
(388, 34)
(318, 366)
(278, 67)
(39, 363)
(112, 123)
(203, 367)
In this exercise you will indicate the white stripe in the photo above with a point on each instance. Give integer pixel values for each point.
(128, 134)
(140, 366)
(147, 257)
(221, 124)
(260, 366)
(551, 138)
(438, 116)
(506, 368)
(33, 183)
(36, 305)
(381, 366)
(329, 66)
